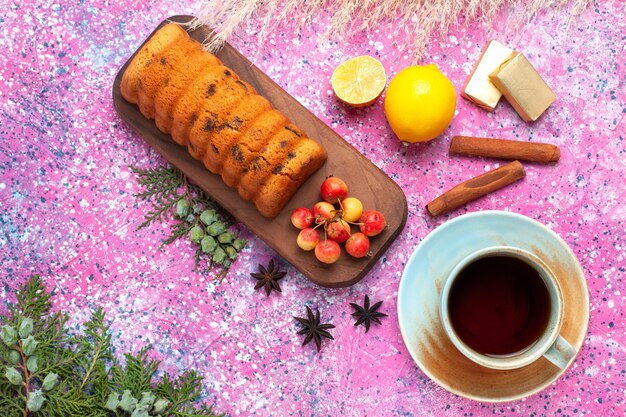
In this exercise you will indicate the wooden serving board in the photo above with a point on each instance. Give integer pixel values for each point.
(365, 181)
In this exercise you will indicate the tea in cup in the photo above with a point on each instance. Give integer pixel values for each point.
(502, 308)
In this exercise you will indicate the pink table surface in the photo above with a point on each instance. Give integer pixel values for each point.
(67, 209)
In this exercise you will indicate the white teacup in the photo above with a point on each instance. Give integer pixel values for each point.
(489, 289)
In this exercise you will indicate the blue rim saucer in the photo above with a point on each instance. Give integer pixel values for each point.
(419, 301)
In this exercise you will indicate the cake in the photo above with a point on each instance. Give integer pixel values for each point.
(244, 153)
(286, 177)
(167, 97)
(268, 160)
(167, 35)
(157, 71)
(185, 112)
(213, 114)
(221, 119)
(240, 120)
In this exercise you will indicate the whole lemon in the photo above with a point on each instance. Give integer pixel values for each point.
(419, 103)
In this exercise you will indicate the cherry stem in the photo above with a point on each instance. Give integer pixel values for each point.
(318, 225)
(354, 223)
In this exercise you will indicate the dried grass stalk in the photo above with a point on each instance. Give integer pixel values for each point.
(419, 20)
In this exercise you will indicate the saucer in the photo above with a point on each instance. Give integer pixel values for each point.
(419, 302)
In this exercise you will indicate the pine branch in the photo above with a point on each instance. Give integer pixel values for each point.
(48, 370)
(96, 344)
(71, 403)
(197, 217)
(158, 182)
(198, 196)
(32, 299)
(179, 230)
(182, 393)
(10, 405)
(161, 211)
(137, 375)
(56, 350)
(161, 187)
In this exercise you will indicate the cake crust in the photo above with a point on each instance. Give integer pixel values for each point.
(162, 39)
(185, 112)
(213, 115)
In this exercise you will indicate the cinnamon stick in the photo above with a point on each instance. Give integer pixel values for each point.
(476, 187)
(505, 149)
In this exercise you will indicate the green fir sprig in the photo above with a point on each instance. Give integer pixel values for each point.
(48, 370)
(196, 216)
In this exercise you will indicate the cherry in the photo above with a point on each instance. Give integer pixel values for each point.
(327, 251)
(333, 189)
(372, 222)
(308, 239)
(358, 245)
(302, 217)
(335, 213)
(339, 231)
(352, 209)
(323, 211)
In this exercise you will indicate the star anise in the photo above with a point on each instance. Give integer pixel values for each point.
(366, 314)
(313, 329)
(268, 277)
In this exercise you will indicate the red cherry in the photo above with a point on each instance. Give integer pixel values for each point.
(372, 222)
(333, 189)
(358, 245)
(308, 239)
(323, 211)
(302, 218)
(338, 231)
(327, 251)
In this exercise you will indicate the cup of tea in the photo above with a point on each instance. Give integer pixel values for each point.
(502, 308)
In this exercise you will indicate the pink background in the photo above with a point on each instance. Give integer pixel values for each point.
(67, 209)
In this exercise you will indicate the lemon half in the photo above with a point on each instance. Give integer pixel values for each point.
(359, 81)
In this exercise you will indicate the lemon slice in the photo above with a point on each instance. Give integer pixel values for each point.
(359, 81)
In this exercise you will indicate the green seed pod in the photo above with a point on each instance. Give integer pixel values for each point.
(239, 244)
(160, 406)
(13, 376)
(26, 328)
(31, 364)
(216, 229)
(219, 256)
(225, 237)
(113, 401)
(208, 216)
(140, 411)
(128, 402)
(197, 208)
(15, 357)
(35, 400)
(196, 234)
(9, 335)
(190, 219)
(182, 208)
(50, 382)
(208, 244)
(231, 252)
(29, 345)
(147, 398)
(226, 263)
